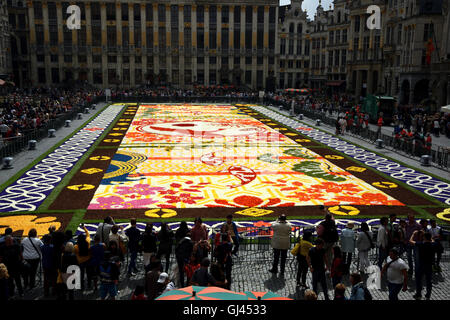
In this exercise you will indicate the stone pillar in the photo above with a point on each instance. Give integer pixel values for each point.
(219, 43)
(231, 39)
(60, 26)
(194, 41)
(181, 45)
(276, 67)
(104, 45)
(155, 39)
(132, 44)
(144, 42)
(90, 68)
(206, 28)
(169, 43)
(266, 46)
(48, 77)
(243, 65)
(119, 65)
(75, 64)
(254, 45)
(33, 71)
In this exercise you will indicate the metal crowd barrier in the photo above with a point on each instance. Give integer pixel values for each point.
(15, 145)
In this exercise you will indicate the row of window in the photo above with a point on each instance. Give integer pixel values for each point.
(290, 48)
(114, 78)
(162, 60)
(135, 11)
(112, 37)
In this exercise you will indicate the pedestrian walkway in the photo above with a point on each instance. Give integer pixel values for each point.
(24, 158)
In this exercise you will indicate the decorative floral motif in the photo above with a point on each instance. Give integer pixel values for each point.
(141, 189)
(27, 222)
(115, 202)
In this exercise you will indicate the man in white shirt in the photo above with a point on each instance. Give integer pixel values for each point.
(32, 254)
(281, 242)
(436, 234)
(382, 241)
(397, 274)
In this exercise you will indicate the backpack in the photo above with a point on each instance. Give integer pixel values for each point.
(331, 234)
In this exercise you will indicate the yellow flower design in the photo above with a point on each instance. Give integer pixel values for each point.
(27, 222)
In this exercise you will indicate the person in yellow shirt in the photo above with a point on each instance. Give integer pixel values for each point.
(83, 254)
(302, 252)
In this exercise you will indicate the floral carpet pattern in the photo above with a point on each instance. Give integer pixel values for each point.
(196, 156)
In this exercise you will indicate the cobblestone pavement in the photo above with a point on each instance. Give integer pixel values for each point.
(250, 273)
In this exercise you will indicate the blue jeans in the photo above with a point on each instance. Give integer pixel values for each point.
(411, 252)
(426, 271)
(319, 277)
(132, 264)
(394, 290)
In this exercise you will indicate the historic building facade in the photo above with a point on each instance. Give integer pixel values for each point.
(257, 43)
(417, 53)
(5, 52)
(293, 52)
(129, 43)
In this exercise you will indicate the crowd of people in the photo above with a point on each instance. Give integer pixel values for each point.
(24, 110)
(330, 255)
(410, 123)
(404, 248)
(100, 259)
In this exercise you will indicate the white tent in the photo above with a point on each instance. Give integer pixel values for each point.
(445, 109)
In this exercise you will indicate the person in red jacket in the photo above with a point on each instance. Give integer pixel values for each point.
(379, 124)
(428, 143)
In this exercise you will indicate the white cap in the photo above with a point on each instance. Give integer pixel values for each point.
(162, 277)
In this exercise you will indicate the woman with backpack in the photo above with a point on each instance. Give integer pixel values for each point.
(364, 243)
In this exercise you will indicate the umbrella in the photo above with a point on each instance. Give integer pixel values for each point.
(253, 295)
(202, 293)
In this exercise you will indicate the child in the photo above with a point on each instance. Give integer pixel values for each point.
(138, 293)
(337, 267)
(339, 292)
(304, 246)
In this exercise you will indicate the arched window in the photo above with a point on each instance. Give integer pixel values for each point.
(339, 17)
(291, 28)
(299, 28)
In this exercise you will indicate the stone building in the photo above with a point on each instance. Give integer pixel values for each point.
(365, 54)
(129, 43)
(5, 52)
(293, 52)
(408, 74)
(337, 48)
(19, 42)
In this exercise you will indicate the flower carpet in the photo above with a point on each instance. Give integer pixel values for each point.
(174, 162)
